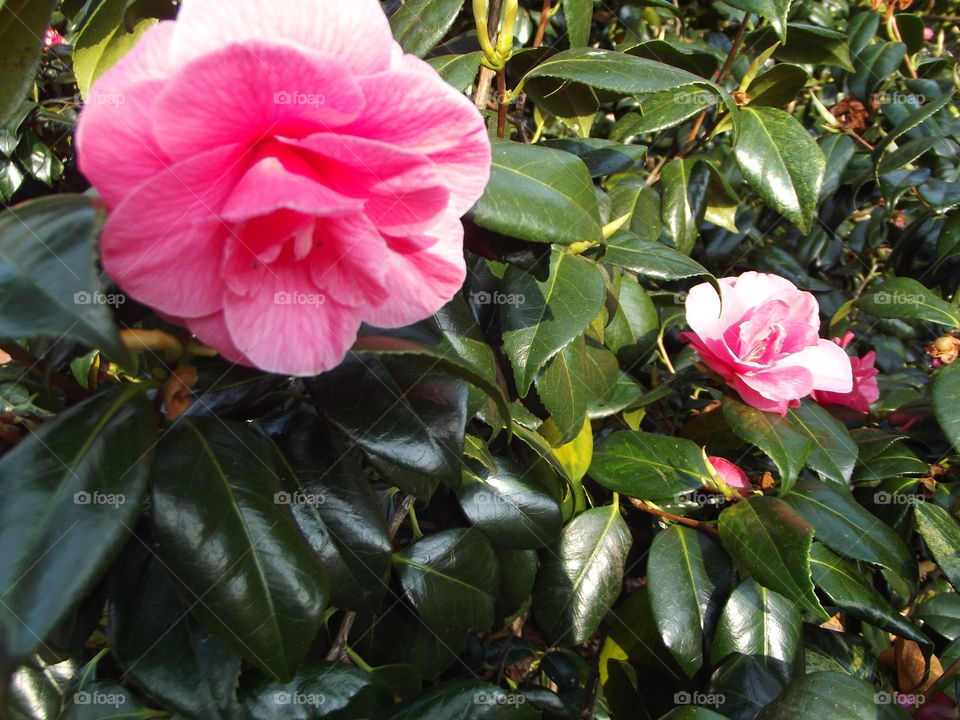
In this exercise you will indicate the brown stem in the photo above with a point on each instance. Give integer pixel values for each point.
(501, 104)
(542, 27)
(735, 48)
(18, 353)
(689, 522)
(337, 651)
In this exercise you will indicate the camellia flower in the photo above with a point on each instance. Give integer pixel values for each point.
(763, 340)
(731, 474)
(277, 173)
(865, 391)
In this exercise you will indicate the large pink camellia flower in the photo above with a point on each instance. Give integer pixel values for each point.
(277, 173)
(763, 340)
(865, 390)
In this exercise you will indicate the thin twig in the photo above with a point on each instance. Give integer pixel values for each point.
(501, 104)
(734, 49)
(542, 26)
(679, 519)
(338, 651)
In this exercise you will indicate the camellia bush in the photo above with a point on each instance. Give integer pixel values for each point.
(434, 360)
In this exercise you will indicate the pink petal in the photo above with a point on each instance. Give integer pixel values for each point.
(755, 400)
(358, 33)
(212, 330)
(285, 182)
(352, 264)
(160, 245)
(781, 382)
(731, 474)
(703, 311)
(423, 282)
(828, 364)
(247, 93)
(116, 147)
(455, 139)
(285, 325)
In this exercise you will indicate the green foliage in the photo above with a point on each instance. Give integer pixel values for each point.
(507, 510)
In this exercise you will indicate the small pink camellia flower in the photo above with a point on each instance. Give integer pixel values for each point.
(731, 475)
(277, 173)
(928, 34)
(865, 391)
(763, 340)
(51, 37)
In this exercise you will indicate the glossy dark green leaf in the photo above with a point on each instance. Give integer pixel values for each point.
(162, 648)
(103, 41)
(335, 508)
(847, 589)
(834, 453)
(579, 17)
(512, 509)
(451, 578)
(941, 533)
(22, 24)
(782, 162)
(648, 466)
(538, 194)
(601, 157)
(945, 392)
(333, 691)
(948, 243)
(243, 567)
(418, 25)
(741, 686)
(678, 54)
(684, 184)
(38, 693)
(775, 11)
(806, 44)
(809, 696)
(71, 493)
(845, 526)
(632, 330)
(408, 417)
(873, 65)
(837, 652)
(464, 700)
(48, 281)
(614, 71)
(690, 576)
(838, 150)
(762, 624)
(664, 110)
(563, 390)
(650, 258)
(458, 70)
(548, 314)
(911, 31)
(581, 575)
(518, 571)
(778, 86)
(904, 298)
(785, 444)
(942, 613)
(773, 543)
